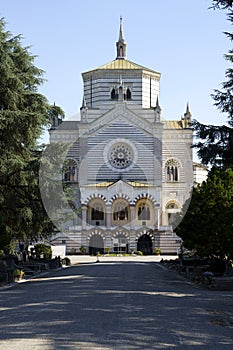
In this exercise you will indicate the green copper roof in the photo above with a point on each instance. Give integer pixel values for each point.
(124, 64)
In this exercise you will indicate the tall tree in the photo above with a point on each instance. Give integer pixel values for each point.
(216, 147)
(207, 226)
(24, 113)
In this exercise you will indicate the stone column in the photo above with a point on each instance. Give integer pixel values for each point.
(157, 214)
(132, 216)
(108, 217)
(132, 241)
(164, 219)
(84, 217)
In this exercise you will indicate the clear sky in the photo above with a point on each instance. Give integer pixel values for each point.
(181, 39)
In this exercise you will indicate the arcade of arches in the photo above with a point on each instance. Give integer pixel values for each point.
(120, 213)
(120, 244)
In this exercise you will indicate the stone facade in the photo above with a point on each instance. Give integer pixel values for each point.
(130, 171)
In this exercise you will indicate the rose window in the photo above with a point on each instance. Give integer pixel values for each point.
(120, 155)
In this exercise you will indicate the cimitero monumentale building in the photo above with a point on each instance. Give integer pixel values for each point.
(131, 171)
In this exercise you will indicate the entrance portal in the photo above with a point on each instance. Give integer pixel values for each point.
(96, 245)
(120, 245)
(145, 245)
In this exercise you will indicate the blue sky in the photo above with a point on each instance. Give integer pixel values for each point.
(181, 39)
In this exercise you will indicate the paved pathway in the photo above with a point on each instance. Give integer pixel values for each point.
(118, 305)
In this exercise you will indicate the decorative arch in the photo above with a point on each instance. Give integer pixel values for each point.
(145, 242)
(120, 240)
(94, 196)
(95, 232)
(172, 170)
(144, 196)
(172, 204)
(144, 232)
(119, 196)
(96, 242)
(119, 233)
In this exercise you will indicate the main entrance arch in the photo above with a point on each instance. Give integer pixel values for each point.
(96, 245)
(145, 244)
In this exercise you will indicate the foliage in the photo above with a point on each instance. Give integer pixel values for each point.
(83, 250)
(207, 227)
(224, 4)
(18, 273)
(216, 145)
(43, 249)
(56, 195)
(139, 252)
(5, 238)
(24, 113)
(158, 251)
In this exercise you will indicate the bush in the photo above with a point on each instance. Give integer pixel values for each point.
(139, 252)
(83, 250)
(158, 251)
(43, 249)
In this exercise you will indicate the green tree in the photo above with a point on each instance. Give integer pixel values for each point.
(216, 145)
(5, 238)
(24, 113)
(207, 227)
(44, 249)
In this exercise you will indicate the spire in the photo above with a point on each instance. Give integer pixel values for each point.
(83, 111)
(157, 103)
(187, 109)
(187, 116)
(157, 110)
(121, 44)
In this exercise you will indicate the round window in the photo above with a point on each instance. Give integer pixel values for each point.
(120, 155)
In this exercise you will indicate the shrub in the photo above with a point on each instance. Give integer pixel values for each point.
(43, 249)
(139, 252)
(83, 250)
(158, 251)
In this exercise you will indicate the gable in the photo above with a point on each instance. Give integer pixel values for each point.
(118, 115)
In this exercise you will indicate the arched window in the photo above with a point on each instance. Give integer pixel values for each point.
(172, 170)
(121, 95)
(97, 213)
(70, 171)
(143, 212)
(128, 94)
(121, 51)
(113, 94)
(172, 206)
(120, 211)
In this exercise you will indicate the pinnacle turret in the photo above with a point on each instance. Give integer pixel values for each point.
(121, 44)
(157, 110)
(187, 117)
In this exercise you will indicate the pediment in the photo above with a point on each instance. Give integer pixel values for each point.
(120, 189)
(120, 114)
(120, 186)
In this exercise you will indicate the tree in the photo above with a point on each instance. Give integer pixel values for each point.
(24, 113)
(216, 146)
(5, 238)
(43, 249)
(207, 227)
